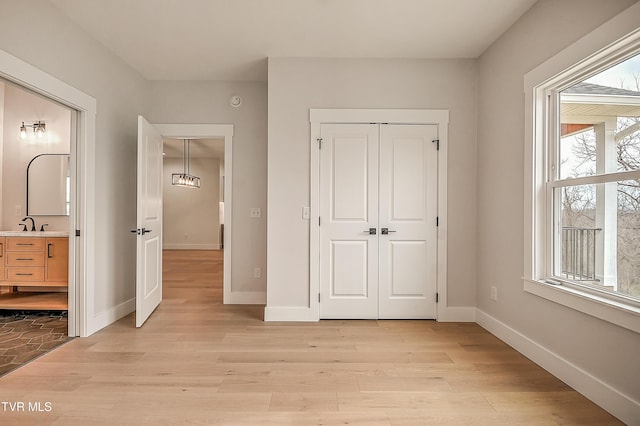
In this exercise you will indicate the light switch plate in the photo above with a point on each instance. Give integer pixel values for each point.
(306, 212)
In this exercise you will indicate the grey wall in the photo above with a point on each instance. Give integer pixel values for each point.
(295, 85)
(37, 33)
(606, 351)
(208, 102)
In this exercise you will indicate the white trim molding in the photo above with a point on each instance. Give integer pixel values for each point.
(457, 314)
(290, 313)
(195, 131)
(246, 298)
(105, 318)
(178, 246)
(620, 405)
(318, 116)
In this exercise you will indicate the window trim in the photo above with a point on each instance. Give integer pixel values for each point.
(612, 42)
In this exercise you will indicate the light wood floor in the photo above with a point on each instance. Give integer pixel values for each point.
(197, 361)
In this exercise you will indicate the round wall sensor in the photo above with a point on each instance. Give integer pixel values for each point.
(235, 101)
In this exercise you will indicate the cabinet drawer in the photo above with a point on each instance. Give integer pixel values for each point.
(24, 274)
(25, 244)
(17, 258)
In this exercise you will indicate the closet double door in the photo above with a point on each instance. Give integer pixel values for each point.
(378, 229)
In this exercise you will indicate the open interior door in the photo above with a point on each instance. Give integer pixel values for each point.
(149, 221)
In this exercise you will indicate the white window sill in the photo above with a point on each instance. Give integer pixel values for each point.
(618, 313)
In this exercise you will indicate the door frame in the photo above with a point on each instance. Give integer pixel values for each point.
(209, 131)
(82, 319)
(319, 116)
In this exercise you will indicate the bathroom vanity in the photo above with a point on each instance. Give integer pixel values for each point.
(34, 270)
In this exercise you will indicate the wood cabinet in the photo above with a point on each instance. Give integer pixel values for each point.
(29, 262)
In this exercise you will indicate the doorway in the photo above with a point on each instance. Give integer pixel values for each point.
(82, 320)
(150, 175)
(193, 219)
(37, 213)
(378, 212)
(389, 155)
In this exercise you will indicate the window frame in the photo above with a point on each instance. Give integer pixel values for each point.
(613, 42)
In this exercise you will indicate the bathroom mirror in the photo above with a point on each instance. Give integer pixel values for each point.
(48, 185)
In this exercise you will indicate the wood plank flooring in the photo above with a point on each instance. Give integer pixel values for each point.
(197, 361)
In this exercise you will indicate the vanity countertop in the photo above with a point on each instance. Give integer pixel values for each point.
(34, 234)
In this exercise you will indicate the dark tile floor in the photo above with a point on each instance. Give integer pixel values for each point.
(26, 335)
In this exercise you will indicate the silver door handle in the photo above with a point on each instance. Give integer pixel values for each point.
(385, 231)
(370, 231)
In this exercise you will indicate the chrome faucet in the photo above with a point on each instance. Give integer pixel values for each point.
(33, 224)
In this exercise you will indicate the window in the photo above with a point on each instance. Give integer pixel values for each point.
(582, 168)
(594, 177)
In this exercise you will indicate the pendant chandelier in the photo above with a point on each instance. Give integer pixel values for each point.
(185, 179)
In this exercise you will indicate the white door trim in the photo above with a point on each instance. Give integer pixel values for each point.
(318, 116)
(203, 131)
(82, 318)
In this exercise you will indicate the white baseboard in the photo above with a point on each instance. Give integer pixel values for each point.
(110, 316)
(612, 400)
(456, 314)
(299, 313)
(289, 313)
(245, 298)
(179, 246)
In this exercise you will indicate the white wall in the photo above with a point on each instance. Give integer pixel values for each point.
(21, 105)
(602, 350)
(295, 85)
(190, 216)
(36, 32)
(208, 102)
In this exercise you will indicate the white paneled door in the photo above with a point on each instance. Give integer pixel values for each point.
(349, 221)
(149, 221)
(378, 208)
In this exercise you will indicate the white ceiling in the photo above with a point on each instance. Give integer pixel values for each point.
(231, 39)
(199, 148)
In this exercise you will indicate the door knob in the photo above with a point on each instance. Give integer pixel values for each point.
(385, 231)
(370, 231)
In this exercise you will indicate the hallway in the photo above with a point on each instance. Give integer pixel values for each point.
(200, 362)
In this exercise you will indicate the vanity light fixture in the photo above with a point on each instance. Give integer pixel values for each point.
(39, 129)
(185, 179)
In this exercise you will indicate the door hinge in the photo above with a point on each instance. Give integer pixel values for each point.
(319, 143)
(77, 232)
(437, 221)
(318, 220)
(437, 142)
(318, 297)
(437, 297)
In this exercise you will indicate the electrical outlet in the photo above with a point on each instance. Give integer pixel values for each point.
(255, 212)
(257, 273)
(494, 293)
(18, 210)
(186, 236)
